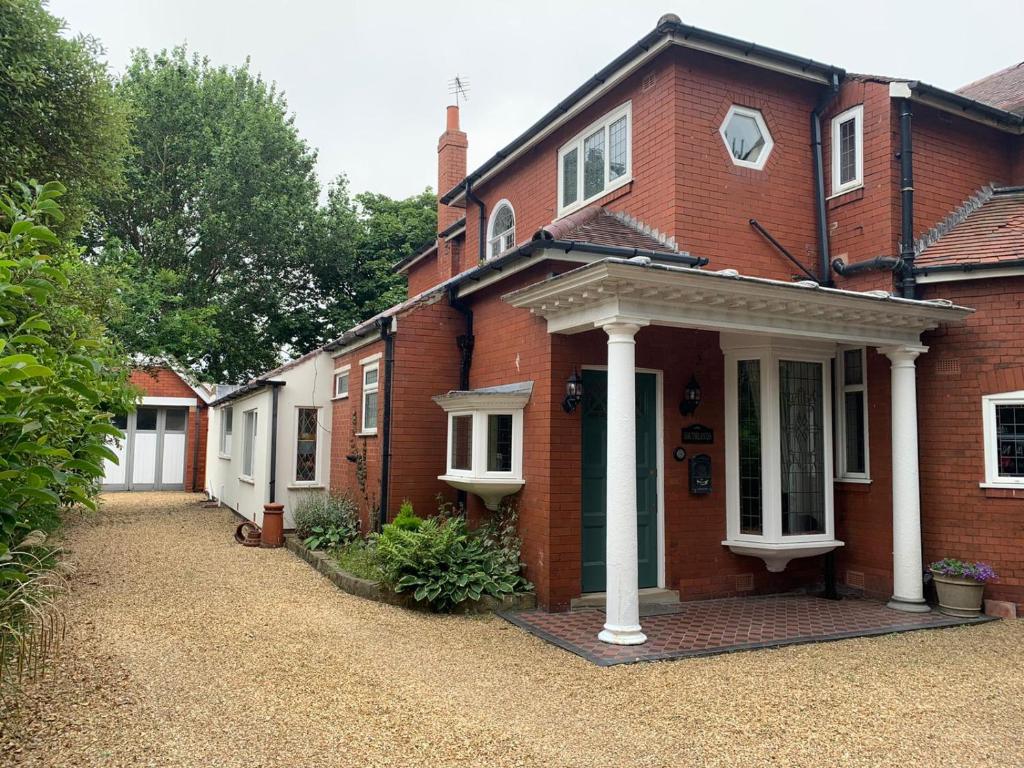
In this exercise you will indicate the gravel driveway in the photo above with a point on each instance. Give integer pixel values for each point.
(185, 649)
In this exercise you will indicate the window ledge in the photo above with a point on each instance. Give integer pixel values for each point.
(340, 397)
(224, 456)
(367, 434)
(855, 480)
(491, 489)
(247, 480)
(306, 487)
(1002, 490)
(848, 190)
(616, 186)
(776, 555)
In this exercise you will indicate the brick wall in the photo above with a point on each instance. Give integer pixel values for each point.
(164, 382)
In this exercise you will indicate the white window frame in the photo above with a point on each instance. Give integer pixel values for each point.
(478, 446)
(988, 404)
(341, 374)
(227, 423)
(857, 114)
(841, 388)
(757, 117)
(492, 236)
(769, 354)
(317, 479)
(368, 389)
(249, 437)
(577, 143)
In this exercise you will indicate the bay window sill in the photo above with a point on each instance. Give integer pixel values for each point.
(776, 555)
(491, 489)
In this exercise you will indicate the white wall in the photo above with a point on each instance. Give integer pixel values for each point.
(307, 384)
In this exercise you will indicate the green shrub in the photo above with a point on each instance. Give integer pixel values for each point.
(501, 535)
(359, 557)
(444, 564)
(407, 519)
(326, 520)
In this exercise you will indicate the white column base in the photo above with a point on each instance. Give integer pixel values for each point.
(622, 635)
(908, 606)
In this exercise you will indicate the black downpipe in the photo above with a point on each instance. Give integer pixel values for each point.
(274, 390)
(824, 260)
(195, 454)
(471, 197)
(385, 444)
(879, 262)
(909, 282)
(466, 341)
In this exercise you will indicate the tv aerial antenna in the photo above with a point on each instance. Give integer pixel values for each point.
(459, 87)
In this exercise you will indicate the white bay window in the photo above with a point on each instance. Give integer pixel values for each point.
(485, 440)
(778, 449)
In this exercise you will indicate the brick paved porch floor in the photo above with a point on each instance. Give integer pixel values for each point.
(733, 624)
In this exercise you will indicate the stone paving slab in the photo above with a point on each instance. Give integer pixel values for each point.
(711, 627)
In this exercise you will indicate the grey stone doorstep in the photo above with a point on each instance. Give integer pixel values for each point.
(372, 590)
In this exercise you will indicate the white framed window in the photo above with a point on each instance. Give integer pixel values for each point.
(501, 230)
(852, 452)
(341, 382)
(371, 386)
(596, 161)
(485, 443)
(248, 443)
(746, 137)
(848, 150)
(778, 443)
(227, 417)
(307, 445)
(1003, 419)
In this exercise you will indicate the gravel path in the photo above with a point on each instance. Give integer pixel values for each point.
(188, 650)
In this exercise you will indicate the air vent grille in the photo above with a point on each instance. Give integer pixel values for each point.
(855, 579)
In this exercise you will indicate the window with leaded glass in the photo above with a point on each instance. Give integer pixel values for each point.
(502, 231)
(802, 436)
(462, 443)
(749, 419)
(1004, 439)
(848, 150)
(851, 415)
(306, 445)
(499, 442)
(596, 161)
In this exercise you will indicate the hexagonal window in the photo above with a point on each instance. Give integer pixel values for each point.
(746, 137)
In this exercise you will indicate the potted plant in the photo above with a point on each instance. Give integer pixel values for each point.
(960, 585)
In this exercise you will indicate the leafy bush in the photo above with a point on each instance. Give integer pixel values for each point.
(359, 557)
(407, 519)
(444, 564)
(501, 535)
(326, 520)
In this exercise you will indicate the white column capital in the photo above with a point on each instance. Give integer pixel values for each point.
(903, 354)
(619, 326)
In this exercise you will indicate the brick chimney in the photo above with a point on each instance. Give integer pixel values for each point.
(451, 167)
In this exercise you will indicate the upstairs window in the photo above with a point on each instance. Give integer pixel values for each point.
(851, 415)
(848, 150)
(226, 418)
(501, 234)
(1003, 418)
(746, 136)
(596, 161)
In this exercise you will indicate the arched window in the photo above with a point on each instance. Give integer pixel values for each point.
(501, 234)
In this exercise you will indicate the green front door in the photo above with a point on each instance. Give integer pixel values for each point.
(595, 465)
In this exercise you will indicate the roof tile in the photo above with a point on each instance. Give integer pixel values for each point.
(991, 233)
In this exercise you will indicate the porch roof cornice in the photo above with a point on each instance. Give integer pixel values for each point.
(685, 297)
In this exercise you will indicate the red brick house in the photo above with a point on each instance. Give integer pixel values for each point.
(724, 321)
(165, 437)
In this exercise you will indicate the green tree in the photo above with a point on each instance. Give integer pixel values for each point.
(59, 117)
(213, 225)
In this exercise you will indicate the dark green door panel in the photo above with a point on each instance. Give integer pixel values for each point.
(594, 420)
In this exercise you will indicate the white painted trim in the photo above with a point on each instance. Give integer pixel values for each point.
(491, 253)
(988, 414)
(758, 118)
(224, 433)
(857, 114)
(841, 388)
(369, 338)
(338, 373)
(576, 142)
(245, 436)
(951, 276)
(659, 376)
(372, 358)
(343, 368)
(169, 402)
(371, 363)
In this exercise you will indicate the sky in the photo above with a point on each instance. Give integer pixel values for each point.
(368, 81)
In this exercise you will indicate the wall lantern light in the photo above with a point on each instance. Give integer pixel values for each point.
(573, 391)
(691, 397)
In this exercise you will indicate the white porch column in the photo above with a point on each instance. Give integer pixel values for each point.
(622, 614)
(907, 565)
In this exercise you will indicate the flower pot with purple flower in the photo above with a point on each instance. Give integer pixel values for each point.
(960, 585)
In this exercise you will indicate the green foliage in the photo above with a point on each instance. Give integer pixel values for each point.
(359, 557)
(500, 534)
(59, 118)
(406, 518)
(444, 564)
(60, 383)
(327, 518)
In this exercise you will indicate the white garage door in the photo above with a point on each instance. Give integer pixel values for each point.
(152, 453)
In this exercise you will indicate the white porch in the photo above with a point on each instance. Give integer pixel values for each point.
(781, 331)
